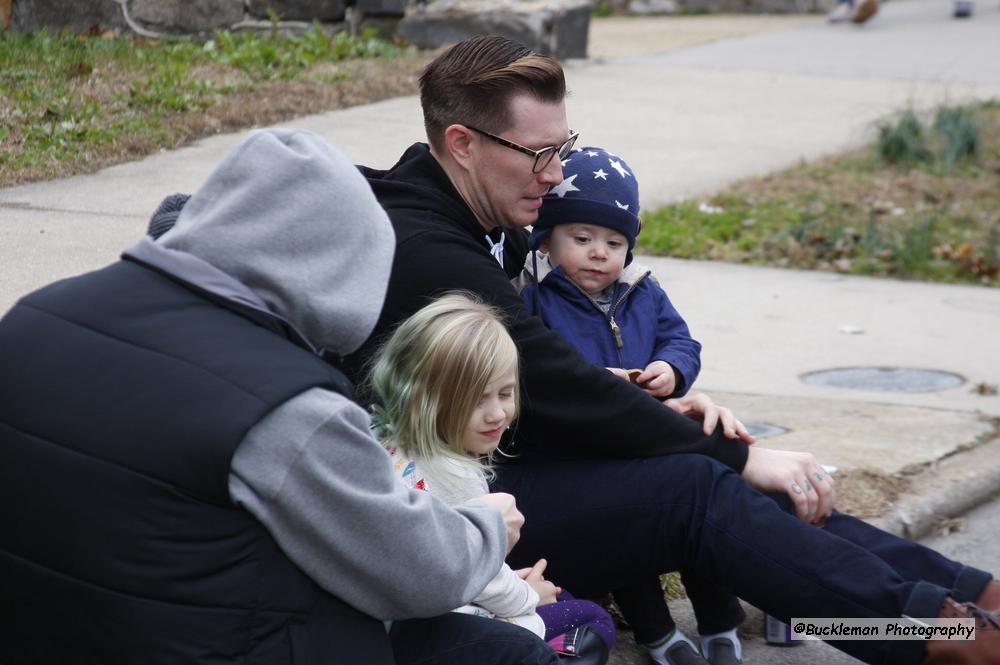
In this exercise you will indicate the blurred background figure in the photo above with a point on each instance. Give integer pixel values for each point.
(859, 11)
(855, 11)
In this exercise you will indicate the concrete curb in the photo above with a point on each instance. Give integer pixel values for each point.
(947, 488)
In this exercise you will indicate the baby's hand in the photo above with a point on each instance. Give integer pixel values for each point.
(629, 375)
(547, 591)
(658, 379)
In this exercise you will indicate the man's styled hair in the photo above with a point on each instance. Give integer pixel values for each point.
(472, 83)
(431, 374)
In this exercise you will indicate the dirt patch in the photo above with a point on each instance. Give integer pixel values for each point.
(856, 181)
(868, 494)
(357, 82)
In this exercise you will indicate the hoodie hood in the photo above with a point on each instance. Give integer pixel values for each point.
(288, 216)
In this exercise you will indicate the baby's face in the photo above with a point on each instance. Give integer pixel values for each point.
(591, 256)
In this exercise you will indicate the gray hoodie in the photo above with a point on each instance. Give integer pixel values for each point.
(287, 225)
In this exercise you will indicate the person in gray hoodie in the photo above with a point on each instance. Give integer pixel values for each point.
(187, 480)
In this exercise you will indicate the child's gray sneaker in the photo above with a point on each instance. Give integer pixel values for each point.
(721, 651)
(683, 653)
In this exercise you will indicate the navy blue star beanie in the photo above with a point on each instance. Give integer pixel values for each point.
(598, 188)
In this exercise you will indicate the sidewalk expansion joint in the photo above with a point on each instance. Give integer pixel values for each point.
(21, 205)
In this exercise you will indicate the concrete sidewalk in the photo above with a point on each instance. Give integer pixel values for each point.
(690, 121)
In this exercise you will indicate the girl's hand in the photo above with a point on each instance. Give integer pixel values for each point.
(547, 591)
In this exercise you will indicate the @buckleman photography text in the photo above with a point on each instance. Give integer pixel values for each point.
(903, 628)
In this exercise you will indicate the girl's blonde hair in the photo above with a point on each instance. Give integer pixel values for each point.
(431, 374)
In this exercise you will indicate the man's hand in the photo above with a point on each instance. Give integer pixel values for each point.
(547, 591)
(512, 517)
(658, 379)
(700, 405)
(796, 474)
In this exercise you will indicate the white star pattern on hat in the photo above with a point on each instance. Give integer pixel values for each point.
(589, 189)
(565, 187)
(617, 166)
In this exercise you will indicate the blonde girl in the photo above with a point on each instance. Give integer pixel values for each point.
(447, 386)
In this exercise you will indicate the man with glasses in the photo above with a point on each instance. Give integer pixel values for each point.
(541, 157)
(602, 471)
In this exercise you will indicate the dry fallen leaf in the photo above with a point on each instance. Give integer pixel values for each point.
(950, 525)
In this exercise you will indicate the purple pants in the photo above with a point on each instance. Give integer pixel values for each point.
(568, 613)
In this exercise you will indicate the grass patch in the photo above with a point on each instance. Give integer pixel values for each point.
(74, 103)
(902, 142)
(923, 203)
(958, 131)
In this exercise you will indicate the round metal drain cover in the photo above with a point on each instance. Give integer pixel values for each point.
(885, 379)
(764, 430)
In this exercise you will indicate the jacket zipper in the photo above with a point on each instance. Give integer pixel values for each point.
(615, 329)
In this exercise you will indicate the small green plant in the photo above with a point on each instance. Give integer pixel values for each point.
(902, 142)
(274, 19)
(286, 57)
(958, 133)
(699, 10)
(603, 9)
(672, 586)
(913, 253)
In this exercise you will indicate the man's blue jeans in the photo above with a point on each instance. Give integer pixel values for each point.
(606, 523)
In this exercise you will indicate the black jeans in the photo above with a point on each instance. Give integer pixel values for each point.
(459, 639)
(645, 609)
(604, 524)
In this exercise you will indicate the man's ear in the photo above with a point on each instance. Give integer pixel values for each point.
(458, 143)
(543, 246)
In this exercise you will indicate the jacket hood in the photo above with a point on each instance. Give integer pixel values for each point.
(539, 260)
(288, 216)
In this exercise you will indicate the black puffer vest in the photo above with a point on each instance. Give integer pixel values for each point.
(123, 397)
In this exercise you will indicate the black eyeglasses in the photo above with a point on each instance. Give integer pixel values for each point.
(543, 156)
